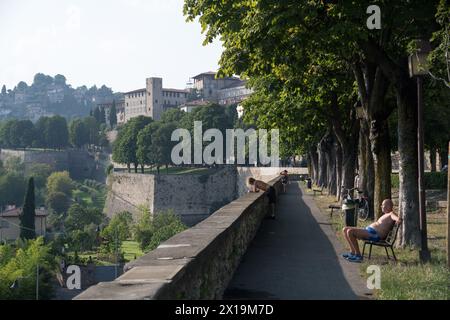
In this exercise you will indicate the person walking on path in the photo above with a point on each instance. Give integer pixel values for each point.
(284, 179)
(256, 185)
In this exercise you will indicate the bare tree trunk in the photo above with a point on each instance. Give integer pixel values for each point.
(407, 146)
(433, 159)
(321, 150)
(338, 151)
(315, 165)
(381, 151)
(331, 164)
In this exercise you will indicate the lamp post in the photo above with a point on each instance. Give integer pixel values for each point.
(418, 67)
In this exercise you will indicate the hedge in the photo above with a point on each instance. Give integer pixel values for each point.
(433, 180)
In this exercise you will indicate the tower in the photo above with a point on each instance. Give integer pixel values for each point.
(154, 101)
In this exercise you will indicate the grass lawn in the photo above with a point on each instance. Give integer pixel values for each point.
(84, 197)
(407, 279)
(131, 250)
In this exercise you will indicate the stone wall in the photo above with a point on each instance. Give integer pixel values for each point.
(195, 264)
(194, 197)
(79, 163)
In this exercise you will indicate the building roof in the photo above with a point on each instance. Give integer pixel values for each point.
(176, 90)
(136, 91)
(209, 73)
(15, 212)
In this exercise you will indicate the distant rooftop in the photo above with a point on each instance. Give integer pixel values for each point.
(209, 73)
(176, 90)
(135, 91)
(16, 211)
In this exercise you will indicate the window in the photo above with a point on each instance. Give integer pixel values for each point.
(178, 94)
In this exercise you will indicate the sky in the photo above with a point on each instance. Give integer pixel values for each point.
(118, 43)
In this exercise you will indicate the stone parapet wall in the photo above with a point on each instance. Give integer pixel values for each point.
(198, 263)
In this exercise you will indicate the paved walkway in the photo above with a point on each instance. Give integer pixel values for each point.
(296, 256)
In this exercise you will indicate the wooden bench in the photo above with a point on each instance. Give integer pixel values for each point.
(316, 190)
(386, 243)
(334, 207)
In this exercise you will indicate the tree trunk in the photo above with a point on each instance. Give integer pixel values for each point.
(142, 168)
(321, 150)
(331, 166)
(381, 152)
(136, 168)
(407, 147)
(315, 165)
(371, 181)
(338, 150)
(128, 167)
(433, 159)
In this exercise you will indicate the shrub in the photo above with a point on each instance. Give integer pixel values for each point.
(433, 180)
(164, 233)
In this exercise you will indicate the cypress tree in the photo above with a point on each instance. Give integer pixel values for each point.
(27, 230)
(113, 115)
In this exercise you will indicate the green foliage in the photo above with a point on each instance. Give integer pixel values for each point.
(12, 189)
(78, 134)
(125, 147)
(166, 225)
(113, 115)
(432, 180)
(118, 230)
(27, 223)
(40, 172)
(60, 182)
(436, 180)
(78, 217)
(19, 265)
(143, 229)
(58, 202)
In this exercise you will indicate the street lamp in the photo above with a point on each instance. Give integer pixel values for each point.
(418, 67)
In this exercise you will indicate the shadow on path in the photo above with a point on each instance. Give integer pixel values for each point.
(296, 257)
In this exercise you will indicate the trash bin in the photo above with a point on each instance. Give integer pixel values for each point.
(349, 208)
(309, 183)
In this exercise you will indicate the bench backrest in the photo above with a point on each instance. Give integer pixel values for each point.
(392, 235)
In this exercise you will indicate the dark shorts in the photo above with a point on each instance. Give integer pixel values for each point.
(272, 195)
(373, 234)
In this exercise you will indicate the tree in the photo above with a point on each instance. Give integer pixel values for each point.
(78, 134)
(113, 115)
(12, 189)
(102, 115)
(40, 172)
(97, 115)
(118, 230)
(58, 202)
(143, 230)
(60, 182)
(294, 30)
(92, 128)
(60, 80)
(56, 133)
(27, 224)
(4, 90)
(125, 147)
(173, 115)
(78, 217)
(19, 264)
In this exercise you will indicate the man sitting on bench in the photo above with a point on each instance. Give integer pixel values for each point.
(375, 232)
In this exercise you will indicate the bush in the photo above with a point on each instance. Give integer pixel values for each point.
(164, 233)
(433, 180)
(436, 180)
(109, 169)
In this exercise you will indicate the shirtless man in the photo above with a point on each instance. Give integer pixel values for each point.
(375, 232)
(256, 185)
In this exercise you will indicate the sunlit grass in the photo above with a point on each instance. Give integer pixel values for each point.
(408, 279)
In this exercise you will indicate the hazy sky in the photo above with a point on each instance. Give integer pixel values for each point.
(118, 43)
